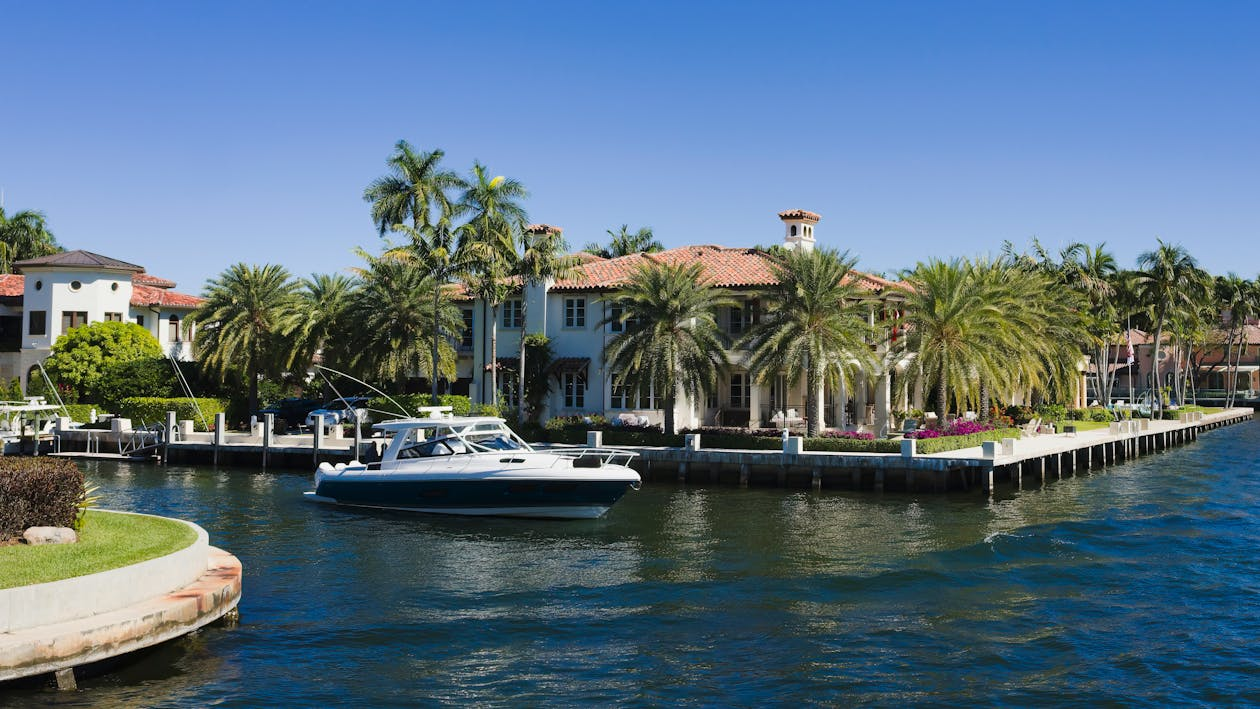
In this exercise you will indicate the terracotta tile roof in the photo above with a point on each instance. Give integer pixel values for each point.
(586, 257)
(800, 214)
(79, 259)
(723, 267)
(12, 285)
(145, 279)
(161, 297)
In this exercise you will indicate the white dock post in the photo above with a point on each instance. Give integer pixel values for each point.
(167, 435)
(594, 439)
(358, 438)
(318, 433)
(269, 423)
(220, 433)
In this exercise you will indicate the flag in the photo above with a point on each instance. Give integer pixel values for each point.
(1130, 341)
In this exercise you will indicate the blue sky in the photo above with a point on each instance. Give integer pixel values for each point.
(187, 137)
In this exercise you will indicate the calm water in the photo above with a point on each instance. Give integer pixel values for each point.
(1139, 584)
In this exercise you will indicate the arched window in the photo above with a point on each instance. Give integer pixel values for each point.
(174, 321)
(793, 232)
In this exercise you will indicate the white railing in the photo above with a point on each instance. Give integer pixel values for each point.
(604, 456)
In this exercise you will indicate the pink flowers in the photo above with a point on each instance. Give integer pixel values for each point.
(961, 427)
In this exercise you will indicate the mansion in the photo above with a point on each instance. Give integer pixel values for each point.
(570, 312)
(53, 294)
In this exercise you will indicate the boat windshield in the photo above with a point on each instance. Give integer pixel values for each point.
(450, 441)
(496, 442)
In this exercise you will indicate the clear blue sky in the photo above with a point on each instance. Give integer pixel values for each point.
(187, 137)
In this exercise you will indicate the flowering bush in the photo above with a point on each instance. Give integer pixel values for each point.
(852, 435)
(925, 433)
(963, 427)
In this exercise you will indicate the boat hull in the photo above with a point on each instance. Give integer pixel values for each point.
(511, 497)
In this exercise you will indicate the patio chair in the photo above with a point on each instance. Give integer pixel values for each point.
(1031, 428)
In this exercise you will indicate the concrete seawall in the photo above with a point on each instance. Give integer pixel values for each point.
(57, 626)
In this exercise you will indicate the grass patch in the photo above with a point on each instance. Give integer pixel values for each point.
(1081, 425)
(107, 541)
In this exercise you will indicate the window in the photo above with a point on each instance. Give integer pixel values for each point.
(574, 385)
(466, 335)
(735, 324)
(75, 285)
(575, 312)
(39, 322)
(512, 313)
(793, 230)
(174, 322)
(614, 318)
(739, 391)
(140, 320)
(113, 317)
(619, 395)
(508, 389)
(71, 319)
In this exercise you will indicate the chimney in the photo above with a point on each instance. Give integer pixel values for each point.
(798, 229)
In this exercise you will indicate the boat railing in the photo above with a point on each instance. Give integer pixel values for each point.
(595, 457)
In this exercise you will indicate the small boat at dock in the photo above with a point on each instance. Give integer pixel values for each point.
(476, 465)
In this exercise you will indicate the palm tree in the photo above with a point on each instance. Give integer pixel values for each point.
(324, 302)
(434, 250)
(671, 341)
(543, 258)
(24, 235)
(416, 183)
(248, 313)
(1168, 280)
(392, 312)
(489, 239)
(623, 243)
(815, 328)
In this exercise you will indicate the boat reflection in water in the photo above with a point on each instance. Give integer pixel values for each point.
(476, 465)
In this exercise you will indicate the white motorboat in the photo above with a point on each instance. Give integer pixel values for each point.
(476, 465)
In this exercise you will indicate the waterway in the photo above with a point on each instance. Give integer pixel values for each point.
(1139, 584)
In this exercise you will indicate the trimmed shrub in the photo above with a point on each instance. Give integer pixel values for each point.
(950, 443)
(1099, 414)
(148, 376)
(382, 408)
(152, 409)
(852, 445)
(1077, 414)
(38, 492)
(852, 435)
(1020, 414)
(82, 413)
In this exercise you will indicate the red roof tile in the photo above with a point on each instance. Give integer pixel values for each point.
(150, 296)
(12, 285)
(800, 214)
(145, 279)
(723, 267)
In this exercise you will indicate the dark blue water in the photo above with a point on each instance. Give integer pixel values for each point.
(1139, 584)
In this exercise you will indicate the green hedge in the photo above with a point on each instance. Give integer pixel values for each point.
(152, 409)
(852, 445)
(38, 492)
(971, 440)
(82, 413)
(383, 409)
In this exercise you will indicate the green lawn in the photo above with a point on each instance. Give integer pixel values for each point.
(107, 541)
(1081, 425)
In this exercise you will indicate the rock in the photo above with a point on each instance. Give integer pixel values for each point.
(50, 535)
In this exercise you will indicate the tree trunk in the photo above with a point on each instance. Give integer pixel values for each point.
(1157, 394)
(520, 366)
(494, 355)
(985, 415)
(433, 384)
(812, 382)
(942, 405)
(670, 424)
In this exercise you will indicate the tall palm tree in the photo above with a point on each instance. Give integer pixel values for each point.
(324, 302)
(544, 257)
(1168, 280)
(24, 235)
(434, 250)
(392, 313)
(248, 314)
(489, 239)
(815, 327)
(624, 243)
(415, 184)
(671, 340)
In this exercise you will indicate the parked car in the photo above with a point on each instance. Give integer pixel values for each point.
(292, 411)
(339, 411)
